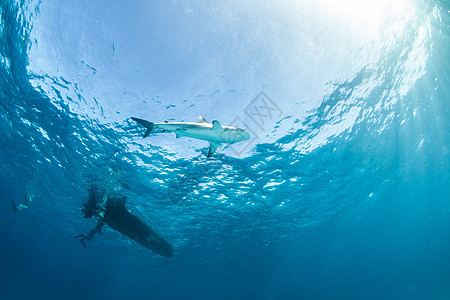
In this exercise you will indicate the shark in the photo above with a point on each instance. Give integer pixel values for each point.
(215, 133)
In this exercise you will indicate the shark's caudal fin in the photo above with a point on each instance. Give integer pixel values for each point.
(149, 125)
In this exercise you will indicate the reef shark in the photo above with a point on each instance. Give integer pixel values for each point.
(214, 132)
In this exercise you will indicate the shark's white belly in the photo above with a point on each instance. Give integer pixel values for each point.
(201, 133)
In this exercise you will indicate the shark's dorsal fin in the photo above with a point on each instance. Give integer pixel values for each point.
(216, 126)
(202, 120)
(212, 148)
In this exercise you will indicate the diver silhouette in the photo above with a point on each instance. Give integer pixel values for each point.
(27, 197)
(111, 210)
(96, 229)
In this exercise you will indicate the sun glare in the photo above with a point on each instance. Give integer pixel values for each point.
(366, 17)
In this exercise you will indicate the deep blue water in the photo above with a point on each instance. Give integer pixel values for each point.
(343, 191)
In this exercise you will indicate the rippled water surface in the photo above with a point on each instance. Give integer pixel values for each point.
(342, 191)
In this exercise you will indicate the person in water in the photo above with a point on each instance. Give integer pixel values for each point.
(27, 197)
(96, 229)
(111, 210)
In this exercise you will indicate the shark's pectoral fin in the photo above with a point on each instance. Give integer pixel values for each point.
(216, 126)
(179, 132)
(202, 120)
(212, 148)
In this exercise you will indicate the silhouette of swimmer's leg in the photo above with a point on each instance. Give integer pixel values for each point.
(81, 240)
(21, 206)
(97, 229)
(14, 206)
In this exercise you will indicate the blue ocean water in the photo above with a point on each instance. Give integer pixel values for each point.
(342, 192)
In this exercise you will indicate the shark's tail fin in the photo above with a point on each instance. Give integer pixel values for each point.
(149, 125)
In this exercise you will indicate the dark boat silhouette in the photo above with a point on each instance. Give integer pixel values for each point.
(118, 217)
(114, 213)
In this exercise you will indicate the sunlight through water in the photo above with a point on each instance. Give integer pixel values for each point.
(366, 17)
(340, 193)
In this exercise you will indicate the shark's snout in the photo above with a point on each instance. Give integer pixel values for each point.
(244, 134)
(240, 135)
